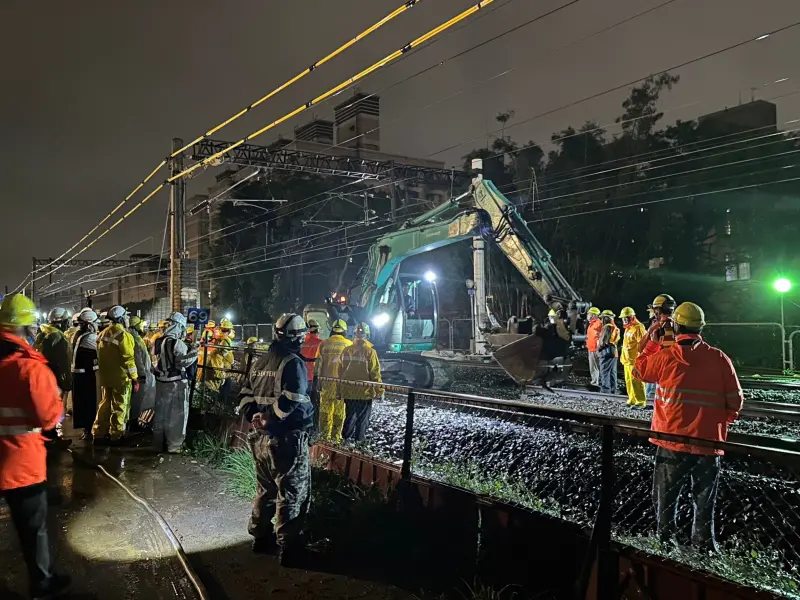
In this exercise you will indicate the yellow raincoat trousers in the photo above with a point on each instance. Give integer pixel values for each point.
(117, 372)
(634, 332)
(331, 405)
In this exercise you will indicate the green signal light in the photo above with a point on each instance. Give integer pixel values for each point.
(782, 285)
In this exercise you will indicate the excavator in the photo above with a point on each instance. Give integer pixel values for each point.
(403, 307)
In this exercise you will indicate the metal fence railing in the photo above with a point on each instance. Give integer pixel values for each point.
(736, 516)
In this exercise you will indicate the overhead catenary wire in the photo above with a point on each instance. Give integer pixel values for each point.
(622, 86)
(288, 83)
(682, 64)
(678, 157)
(555, 139)
(97, 264)
(322, 97)
(281, 254)
(481, 44)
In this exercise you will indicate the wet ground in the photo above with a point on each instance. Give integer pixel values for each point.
(108, 543)
(211, 524)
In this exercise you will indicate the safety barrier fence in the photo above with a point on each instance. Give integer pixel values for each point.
(735, 516)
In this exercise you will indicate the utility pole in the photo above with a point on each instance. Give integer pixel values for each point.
(182, 274)
(393, 189)
(33, 280)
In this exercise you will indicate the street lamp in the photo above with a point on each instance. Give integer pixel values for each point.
(783, 285)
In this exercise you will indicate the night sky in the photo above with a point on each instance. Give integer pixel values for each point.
(94, 91)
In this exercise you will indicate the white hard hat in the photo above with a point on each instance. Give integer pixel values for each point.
(117, 312)
(177, 317)
(87, 315)
(290, 327)
(57, 314)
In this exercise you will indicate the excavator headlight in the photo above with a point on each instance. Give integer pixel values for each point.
(380, 320)
(430, 276)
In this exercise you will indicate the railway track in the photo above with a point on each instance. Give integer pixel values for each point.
(748, 382)
(752, 408)
(515, 409)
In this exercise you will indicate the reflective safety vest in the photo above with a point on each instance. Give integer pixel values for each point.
(264, 382)
(359, 362)
(82, 342)
(310, 351)
(697, 392)
(593, 334)
(115, 355)
(330, 355)
(167, 367)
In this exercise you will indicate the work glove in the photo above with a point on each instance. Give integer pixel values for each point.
(135, 386)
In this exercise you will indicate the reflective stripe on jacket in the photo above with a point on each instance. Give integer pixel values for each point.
(85, 341)
(115, 356)
(330, 355)
(277, 386)
(310, 351)
(697, 392)
(593, 334)
(634, 332)
(29, 402)
(173, 358)
(359, 362)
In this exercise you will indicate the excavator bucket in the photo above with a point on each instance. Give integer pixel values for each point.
(521, 357)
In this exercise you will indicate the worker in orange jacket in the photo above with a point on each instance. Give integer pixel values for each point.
(592, 336)
(310, 353)
(697, 395)
(30, 402)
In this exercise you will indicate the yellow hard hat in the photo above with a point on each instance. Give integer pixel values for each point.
(162, 324)
(189, 329)
(17, 311)
(594, 311)
(552, 313)
(689, 315)
(608, 313)
(663, 300)
(627, 312)
(362, 329)
(136, 321)
(252, 340)
(211, 325)
(339, 326)
(226, 324)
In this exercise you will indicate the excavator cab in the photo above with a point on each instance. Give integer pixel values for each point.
(405, 318)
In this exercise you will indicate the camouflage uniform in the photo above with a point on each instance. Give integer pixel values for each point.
(283, 471)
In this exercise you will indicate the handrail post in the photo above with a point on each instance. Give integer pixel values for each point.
(599, 549)
(408, 441)
(203, 377)
(607, 562)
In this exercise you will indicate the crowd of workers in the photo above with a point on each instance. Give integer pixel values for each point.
(695, 393)
(103, 374)
(111, 377)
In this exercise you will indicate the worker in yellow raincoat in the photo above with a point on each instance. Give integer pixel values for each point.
(118, 378)
(359, 363)
(634, 333)
(331, 406)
